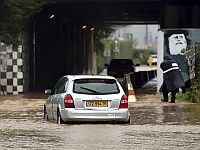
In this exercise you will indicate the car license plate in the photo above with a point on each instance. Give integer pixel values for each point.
(97, 103)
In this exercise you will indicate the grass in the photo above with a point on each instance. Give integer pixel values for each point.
(184, 96)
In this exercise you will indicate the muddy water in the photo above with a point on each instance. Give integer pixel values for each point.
(181, 113)
(154, 125)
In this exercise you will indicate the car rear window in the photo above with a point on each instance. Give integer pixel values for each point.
(95, 86)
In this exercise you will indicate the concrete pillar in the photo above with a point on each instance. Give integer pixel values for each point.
(93, 55)
(89, 52)
(25, 57)
(160, 54)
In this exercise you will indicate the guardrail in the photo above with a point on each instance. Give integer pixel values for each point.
(141, 77)
(135, 80)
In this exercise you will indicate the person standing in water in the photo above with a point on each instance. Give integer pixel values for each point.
(172, 79)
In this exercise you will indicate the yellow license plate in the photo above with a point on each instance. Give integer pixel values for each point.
(97, 103)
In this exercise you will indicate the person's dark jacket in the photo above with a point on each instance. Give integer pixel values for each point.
(172, 78)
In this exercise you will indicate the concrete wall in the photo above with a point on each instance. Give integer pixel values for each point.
(11, 73)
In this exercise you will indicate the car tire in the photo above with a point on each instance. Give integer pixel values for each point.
(129, 120)
(59, 119)
(125, 122)
(45, 113)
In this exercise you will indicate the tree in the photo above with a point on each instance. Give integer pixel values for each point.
(14, 17)
(196, 82)
(101, 32)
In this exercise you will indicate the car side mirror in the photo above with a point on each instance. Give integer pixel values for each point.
(48, 91)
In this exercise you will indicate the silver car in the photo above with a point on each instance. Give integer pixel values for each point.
(87, 98)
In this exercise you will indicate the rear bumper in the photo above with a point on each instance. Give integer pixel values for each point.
(95, 115)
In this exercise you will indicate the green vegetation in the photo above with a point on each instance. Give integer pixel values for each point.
(195, 89)
(127, 49)
(102, 33)
(140, 56)
(2, 47)
(14, 17)
(184, 96)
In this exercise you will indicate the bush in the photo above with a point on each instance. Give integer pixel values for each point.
(196, 83)
(195, 91)
(184, 96)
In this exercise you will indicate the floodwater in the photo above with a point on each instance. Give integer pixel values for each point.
(181, 113)
(150, 110)
(154, 126)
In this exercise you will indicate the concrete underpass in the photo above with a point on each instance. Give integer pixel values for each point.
(62, 46)
(55, 44)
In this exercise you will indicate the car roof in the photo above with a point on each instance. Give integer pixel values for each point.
(121, 61)
(74, 77)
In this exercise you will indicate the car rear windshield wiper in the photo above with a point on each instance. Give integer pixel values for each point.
(91, 90)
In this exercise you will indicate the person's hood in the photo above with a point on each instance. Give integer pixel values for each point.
(168, 57)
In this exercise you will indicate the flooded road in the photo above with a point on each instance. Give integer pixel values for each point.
(154, 126)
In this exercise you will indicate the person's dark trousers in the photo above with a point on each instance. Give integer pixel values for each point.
(165, 96)
(173, 96)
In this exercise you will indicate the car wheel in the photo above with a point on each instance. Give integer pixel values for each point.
(129, 120)
(45, 113)
(59, 118)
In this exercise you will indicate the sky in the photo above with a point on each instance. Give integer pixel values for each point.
(139, 32)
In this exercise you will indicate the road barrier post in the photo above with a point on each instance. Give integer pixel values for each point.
(129, 88)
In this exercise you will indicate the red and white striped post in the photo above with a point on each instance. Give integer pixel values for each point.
(129, 87)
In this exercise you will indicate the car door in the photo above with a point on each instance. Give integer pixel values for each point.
(51, 99)
(59, 96)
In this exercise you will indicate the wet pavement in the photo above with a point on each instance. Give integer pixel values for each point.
(154, 125)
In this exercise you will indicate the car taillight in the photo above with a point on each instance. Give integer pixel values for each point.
(124, 102)
(68, 101)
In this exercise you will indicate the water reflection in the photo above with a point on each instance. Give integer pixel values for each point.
(168, 114)
(194, 114)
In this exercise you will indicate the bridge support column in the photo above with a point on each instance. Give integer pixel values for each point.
(160, 54)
